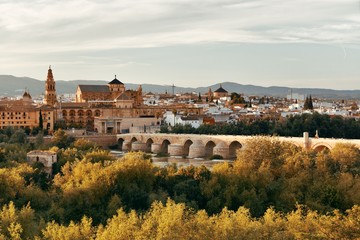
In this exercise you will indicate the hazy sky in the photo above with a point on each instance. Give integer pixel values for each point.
(295, 43)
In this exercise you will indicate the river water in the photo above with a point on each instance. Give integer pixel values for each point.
(178, 161)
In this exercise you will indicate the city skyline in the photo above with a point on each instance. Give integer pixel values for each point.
(187, 43)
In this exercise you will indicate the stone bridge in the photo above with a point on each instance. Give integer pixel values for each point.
(198, 146)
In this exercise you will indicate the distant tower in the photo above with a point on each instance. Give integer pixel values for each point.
(139, 97)
(210, 95)
(50, 91)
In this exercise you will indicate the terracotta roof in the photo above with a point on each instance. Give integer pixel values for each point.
(122, 96)
(94, 88)
(74, 105)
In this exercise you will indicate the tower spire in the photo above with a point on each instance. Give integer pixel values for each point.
(50, 91)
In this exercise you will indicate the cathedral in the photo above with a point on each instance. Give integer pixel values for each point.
(114, 92)
(108, 108)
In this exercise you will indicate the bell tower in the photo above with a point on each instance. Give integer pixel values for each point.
(50, 92)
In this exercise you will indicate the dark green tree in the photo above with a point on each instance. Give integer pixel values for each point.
(311, 107)
(308, 105)
(40, 120)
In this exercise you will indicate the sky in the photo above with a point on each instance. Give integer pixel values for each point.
(188, 43)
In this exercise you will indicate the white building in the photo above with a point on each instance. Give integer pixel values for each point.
(171, 120)
(47, 158)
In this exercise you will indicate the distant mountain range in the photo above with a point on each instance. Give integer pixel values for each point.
(13, 86)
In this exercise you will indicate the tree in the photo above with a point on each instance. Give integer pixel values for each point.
(61, 139)
(308, 104)
(19, 136)
(41, 120)
(75, 231)
(311, 107)
(60, 123)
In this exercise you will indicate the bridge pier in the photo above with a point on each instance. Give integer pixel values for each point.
(156, 148)
(197, 149)
(138, 146)
(222, 150)
(175, 150)
(126, 146)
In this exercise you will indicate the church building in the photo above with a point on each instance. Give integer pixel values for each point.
(114, 92)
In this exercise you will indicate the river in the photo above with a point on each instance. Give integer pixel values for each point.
(177, 160)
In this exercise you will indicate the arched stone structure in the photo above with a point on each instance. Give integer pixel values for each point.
(88, 113)
(186, 147)
(209, 149)
(97, 113)
(132, 140)
(138, 146)
(233, 147)
(126, 145)
(319, 147)
(176, 150)
(197, 149)
(226, 146)
(120, 143)
(149, 143)
(221, 149)
(80, 113)
(165, 146)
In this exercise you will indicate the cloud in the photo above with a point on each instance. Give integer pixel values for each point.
(82, 24)
(92, 32)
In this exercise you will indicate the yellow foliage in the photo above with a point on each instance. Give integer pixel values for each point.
(75, 231)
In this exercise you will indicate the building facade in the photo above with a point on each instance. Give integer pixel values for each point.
(110, 101)
(23, 113)
(47, 158)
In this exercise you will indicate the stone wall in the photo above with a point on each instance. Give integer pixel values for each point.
(103, 141)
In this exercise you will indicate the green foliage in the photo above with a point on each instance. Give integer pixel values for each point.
(61, 139)
(60, 124)
(334, 127)
(164, 129)
(237, 98)
(19, 136)
(41, 120)
(273, 190)
(308, 104)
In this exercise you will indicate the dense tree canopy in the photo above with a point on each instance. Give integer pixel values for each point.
(292, 126)
(273, 190)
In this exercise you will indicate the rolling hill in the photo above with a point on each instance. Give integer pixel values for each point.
(14, 86)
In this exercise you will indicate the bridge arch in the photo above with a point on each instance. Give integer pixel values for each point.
(120, 143)
(233, 147)
(133, 139)
(187, 145)
(209, 149)
(165, 146)
(149, 142)
(319, 147)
